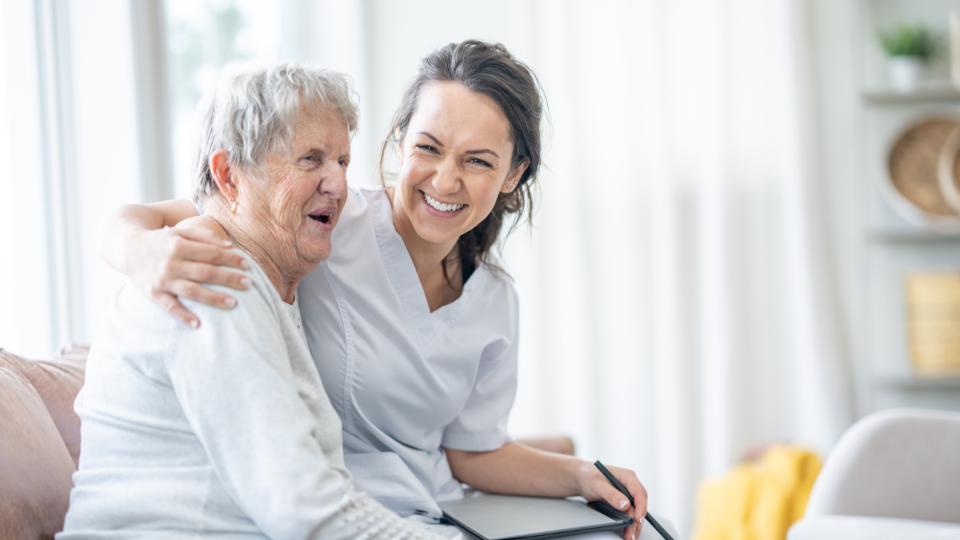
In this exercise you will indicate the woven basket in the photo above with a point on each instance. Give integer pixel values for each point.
(933, 321)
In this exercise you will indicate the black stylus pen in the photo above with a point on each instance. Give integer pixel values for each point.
(622, 489)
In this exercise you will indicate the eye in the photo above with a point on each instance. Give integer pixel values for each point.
(426, 148)
(344, 162)
(311, 158)
(481, 162)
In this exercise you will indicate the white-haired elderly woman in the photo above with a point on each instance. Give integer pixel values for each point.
(226, 431)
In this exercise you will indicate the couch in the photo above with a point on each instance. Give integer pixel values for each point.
(39, 441)
(893, 475)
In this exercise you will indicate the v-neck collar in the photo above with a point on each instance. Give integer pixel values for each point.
(403, 276)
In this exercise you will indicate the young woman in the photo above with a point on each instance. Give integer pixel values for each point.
(411, 322)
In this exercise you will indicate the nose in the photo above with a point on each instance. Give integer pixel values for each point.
(447, 178)
(334, 181)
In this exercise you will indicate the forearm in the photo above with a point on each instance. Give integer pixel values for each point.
(517, 469)
(121, 230)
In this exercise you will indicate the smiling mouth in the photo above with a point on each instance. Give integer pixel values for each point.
(439, 206)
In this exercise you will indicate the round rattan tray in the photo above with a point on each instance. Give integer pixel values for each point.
(914, 164)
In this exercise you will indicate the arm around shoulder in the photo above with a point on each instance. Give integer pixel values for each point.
(168, 257)
(124, 228)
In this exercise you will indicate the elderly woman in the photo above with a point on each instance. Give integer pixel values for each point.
(227, 430)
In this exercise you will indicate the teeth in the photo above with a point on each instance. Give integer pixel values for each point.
(441, 206)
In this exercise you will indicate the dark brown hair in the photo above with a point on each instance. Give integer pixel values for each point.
(488, 69)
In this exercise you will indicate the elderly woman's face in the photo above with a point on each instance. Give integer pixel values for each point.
(298, 193)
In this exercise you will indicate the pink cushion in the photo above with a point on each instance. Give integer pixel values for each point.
(35, 466)
(57, 383)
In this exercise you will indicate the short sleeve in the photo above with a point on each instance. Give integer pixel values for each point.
(482, 424)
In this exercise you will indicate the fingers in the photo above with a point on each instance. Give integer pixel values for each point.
(638, 526)
(173, 306)
(186, 265)
(198, 293)
(617, 500)
(184, 249)
(173, 264)
(594, 485)
(213, 275)
(614, 498)
(638, 492)
(204, 234)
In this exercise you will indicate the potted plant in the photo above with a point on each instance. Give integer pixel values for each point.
(908, 47)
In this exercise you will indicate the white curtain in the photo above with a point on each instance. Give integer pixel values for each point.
(678, 301)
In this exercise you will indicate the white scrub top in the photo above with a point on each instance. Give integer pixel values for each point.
(406, 381)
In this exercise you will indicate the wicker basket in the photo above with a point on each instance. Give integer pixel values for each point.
(933, 321)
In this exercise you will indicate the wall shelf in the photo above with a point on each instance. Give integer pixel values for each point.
(907, 382)
(891, 247)
(891, 235)
(933, 93)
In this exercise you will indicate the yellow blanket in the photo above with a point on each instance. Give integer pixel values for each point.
(759, 500)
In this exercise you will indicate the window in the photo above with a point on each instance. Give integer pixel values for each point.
(71, 150)
(202, 37)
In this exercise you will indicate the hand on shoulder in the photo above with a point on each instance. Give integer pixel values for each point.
(179, 262)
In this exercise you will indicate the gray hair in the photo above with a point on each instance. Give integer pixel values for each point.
(253, 110)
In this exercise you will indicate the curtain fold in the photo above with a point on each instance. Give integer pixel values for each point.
(679, 302)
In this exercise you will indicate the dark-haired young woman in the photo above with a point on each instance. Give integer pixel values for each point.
(411, 323)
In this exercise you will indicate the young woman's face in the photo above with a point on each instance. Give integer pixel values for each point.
(455, 161)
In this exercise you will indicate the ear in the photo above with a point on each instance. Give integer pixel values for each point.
(513, 177)
(219, 165)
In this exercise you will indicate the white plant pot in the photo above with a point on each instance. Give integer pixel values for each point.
(905, 72)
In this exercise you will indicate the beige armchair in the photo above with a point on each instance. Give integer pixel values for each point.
(893, 475)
